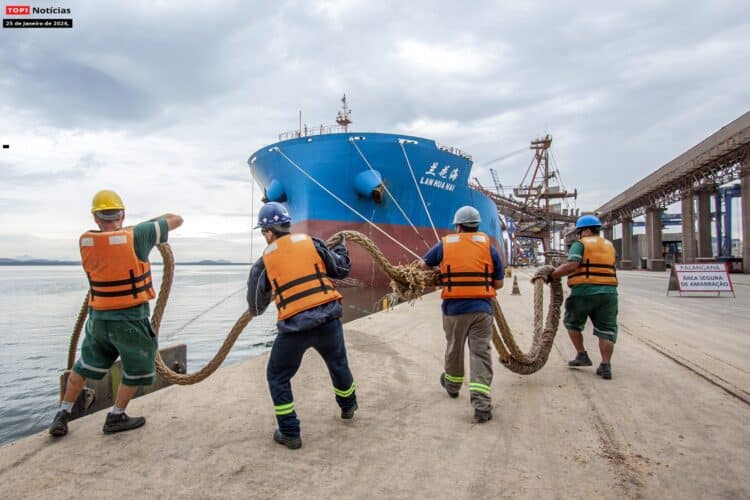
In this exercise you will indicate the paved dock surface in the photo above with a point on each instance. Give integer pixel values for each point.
(673, 423)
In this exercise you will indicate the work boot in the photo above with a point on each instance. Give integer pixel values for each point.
(348, 414)
(482, 416)
(291, 442)
(582, 359)
(454, 395)
(604, 371)
(121, 422)
(59, 425)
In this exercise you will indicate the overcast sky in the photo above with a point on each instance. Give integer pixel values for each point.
(164, 101)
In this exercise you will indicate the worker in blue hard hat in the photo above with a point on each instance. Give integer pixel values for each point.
(593, 292)
(296, 271)
(471, 271)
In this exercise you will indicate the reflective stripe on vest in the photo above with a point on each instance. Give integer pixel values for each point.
(598, 264)
(297, 275)
(466, 269)
(118, 279)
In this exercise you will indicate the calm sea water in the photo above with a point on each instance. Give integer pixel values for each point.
(39, 306)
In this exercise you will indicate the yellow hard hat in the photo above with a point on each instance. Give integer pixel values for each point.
(106, 200)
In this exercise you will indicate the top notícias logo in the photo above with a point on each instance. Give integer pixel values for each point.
(25, 10)
(17, 10)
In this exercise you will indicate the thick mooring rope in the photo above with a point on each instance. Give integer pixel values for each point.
(161, 303)
(408, 281)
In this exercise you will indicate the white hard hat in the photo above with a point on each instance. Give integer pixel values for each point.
(467, 216)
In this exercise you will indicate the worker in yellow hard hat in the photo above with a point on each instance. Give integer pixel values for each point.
(106, 200)
(115, 259)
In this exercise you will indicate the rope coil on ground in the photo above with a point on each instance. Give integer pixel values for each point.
(510, 354)
(409, 282)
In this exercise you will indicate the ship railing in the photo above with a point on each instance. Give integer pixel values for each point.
(310, 131)
(340, 129)
(454, 151)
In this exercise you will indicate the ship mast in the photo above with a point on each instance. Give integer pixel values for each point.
(344, 116)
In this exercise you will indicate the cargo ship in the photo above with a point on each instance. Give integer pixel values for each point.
(399, 190)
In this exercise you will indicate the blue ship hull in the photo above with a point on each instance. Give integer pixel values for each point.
(410, 191)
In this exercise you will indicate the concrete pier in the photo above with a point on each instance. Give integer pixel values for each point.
(653, 233)
(671, 424)
(626, 262)
(705, 252)
(688, 227)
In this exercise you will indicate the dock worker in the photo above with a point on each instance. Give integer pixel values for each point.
(593, 292)
(296, 270)
(471, 271)
(115, 259)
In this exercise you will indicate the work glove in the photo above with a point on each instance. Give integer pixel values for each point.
(340, 242)
(544, 273)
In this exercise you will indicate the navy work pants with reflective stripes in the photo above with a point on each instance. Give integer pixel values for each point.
(286, 356)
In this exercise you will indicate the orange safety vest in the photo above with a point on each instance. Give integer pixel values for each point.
(118, 279)
(297, 275)
(598, 264)
(466, 268)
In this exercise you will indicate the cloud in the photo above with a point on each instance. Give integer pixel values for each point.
(336, 11)
(165, 101)
(448, 59)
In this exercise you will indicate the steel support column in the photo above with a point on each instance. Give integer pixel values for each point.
(653, 235)
(688, 227)
(726, 245)
(719, 223)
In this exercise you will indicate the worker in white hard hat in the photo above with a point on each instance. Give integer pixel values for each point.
(471, 271)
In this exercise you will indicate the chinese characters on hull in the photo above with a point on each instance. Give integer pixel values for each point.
(444, 178)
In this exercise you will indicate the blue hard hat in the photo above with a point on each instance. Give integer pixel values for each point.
(272, 214)
(591, 221)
